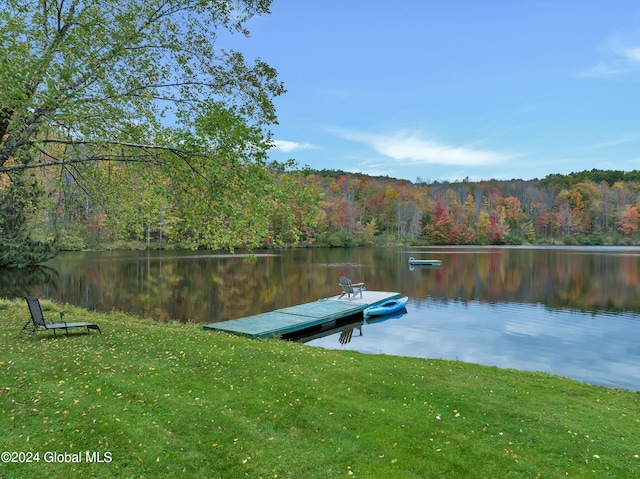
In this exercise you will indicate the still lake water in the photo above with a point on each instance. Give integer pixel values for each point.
(569, 311)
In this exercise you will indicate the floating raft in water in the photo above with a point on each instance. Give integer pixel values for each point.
(424, 262)
(303, 316)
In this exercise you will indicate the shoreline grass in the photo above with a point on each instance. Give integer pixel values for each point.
(166, 399)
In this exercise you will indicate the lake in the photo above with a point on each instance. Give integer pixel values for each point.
(571, 311)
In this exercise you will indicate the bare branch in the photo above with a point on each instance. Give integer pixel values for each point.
(141, 146)
(43, 164)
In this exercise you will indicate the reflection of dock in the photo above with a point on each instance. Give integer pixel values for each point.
(304, 316)
(413, 267)
(341, 326)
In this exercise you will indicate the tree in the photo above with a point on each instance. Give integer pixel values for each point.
(629, 221)
(439, 231)
(469, 220)
(84, 83)
(18, 249)
(514, 216)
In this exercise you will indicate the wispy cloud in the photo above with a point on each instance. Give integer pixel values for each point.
(622, 54)
(412, 149)
(602, 70)
(289, 146)
(609, 143)
(633, 54)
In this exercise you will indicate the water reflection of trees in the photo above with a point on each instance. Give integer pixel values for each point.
(207, 287)
(17, 283)
(204, 287)
(556, 278)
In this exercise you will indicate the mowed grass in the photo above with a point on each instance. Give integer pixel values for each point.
(154, 400)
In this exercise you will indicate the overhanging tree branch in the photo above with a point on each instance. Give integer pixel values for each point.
(105, 73)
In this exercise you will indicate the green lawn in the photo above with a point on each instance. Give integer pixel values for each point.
(169, 400)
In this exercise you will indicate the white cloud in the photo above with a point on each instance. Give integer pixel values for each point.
(411, 149)
(289, 146)
(622, 54)
(633, 54)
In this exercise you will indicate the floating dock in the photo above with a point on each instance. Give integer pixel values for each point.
(303, 316)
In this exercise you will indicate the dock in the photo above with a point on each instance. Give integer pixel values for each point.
(303, 316)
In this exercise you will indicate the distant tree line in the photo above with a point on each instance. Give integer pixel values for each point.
(339, 209)
(588, 207)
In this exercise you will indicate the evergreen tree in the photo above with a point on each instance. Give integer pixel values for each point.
(17, 248)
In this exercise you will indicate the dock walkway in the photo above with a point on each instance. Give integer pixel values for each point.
(303, 316)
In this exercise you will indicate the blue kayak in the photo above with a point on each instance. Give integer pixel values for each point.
(387, 307)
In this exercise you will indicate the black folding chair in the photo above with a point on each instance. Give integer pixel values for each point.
(38, 321)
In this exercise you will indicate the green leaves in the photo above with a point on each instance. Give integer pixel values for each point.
(89, 85)
(17, 249)
(88, 70)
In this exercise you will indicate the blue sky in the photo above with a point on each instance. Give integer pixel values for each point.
(447, 90)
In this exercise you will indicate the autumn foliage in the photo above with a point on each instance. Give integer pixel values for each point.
(340, 209)
(597, 207)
